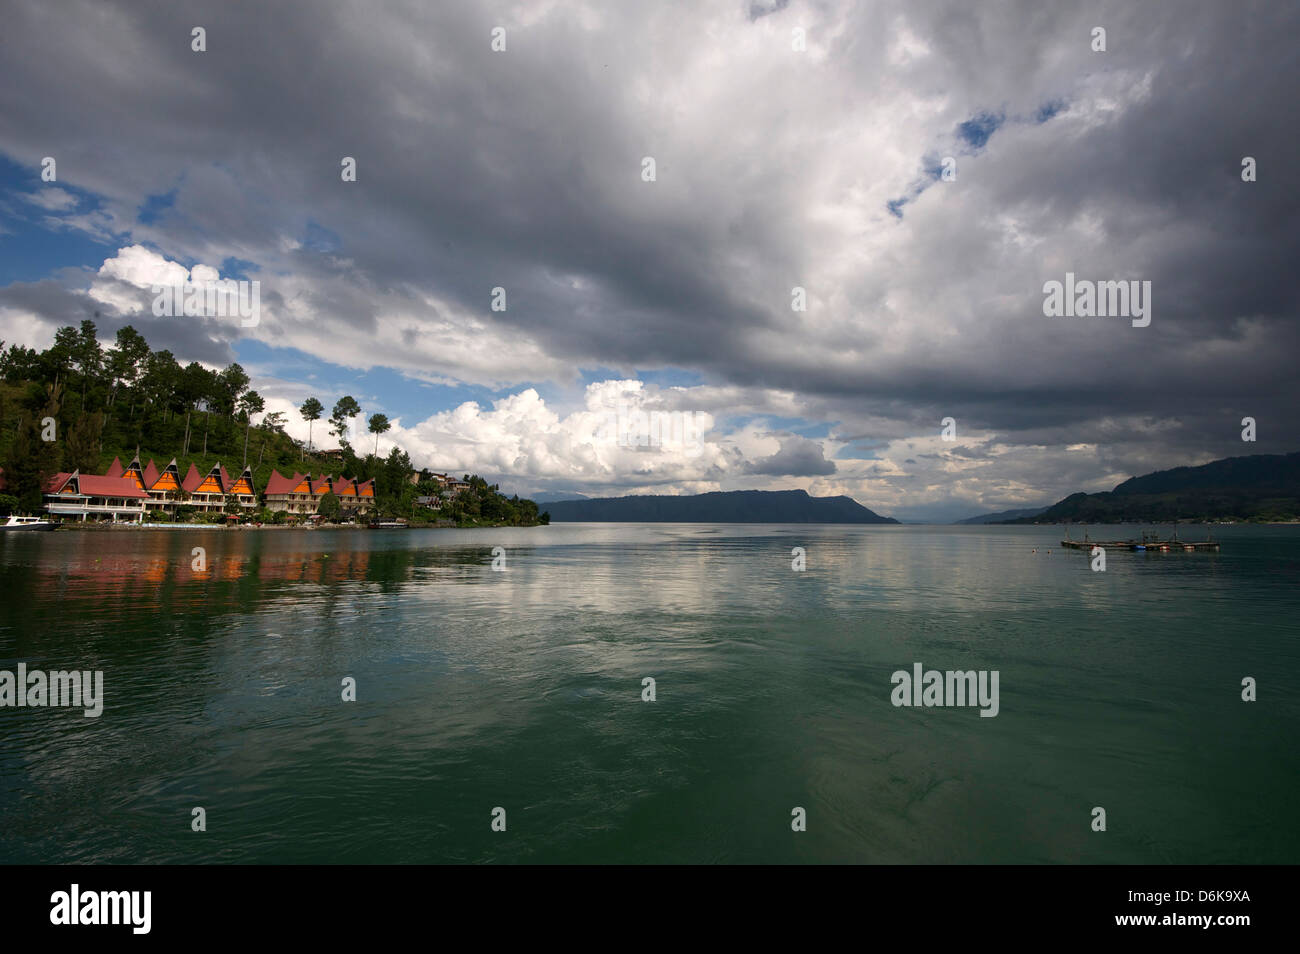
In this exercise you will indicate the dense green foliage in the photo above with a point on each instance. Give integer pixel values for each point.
(329, 507)
(481, 504)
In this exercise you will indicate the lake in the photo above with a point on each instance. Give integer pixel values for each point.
(521, 688)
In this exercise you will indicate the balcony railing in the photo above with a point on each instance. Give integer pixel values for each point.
(61, 507)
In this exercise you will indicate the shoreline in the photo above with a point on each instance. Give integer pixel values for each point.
(105, 527)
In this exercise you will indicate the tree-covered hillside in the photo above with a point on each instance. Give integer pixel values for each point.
(735, 506)
(77, 405)
(1262, 488)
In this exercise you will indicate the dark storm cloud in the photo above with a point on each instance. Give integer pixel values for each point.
(52, 299)
(522, 169)
(474, 171)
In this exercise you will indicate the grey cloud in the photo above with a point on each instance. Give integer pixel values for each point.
(521, 169)
(797, 457)
(762, 8)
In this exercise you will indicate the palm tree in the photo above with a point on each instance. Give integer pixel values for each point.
(378, 425)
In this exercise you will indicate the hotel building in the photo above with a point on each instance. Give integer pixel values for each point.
(301, 494)
(117, 499)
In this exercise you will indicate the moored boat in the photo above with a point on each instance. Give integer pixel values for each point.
(27, 523)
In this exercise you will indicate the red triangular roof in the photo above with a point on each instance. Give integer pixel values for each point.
(345, 487)
(56, 482)
(279, 484)
(321, 486)
(192, 479)
(93, 486)
(115, 469)
(150, 474)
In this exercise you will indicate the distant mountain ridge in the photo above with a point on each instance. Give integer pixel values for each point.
(549, 496)
(1260, 487)
(1002, 516)
(728, 506)
(1266, 473)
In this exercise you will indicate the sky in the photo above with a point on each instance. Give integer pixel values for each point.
(799, 153)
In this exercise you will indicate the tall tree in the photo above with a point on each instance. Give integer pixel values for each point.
(250, 403)
(346, 409)
(196, 384)
(126, 362)
(379, 424)
(205, 405)
(81, 447)
(311, 411)
(59, 357)
(392, 472)
(272, 423)
(87, 356)
(162, 374)
(233, 382)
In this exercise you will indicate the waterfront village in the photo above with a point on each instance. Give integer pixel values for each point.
(134, 493)
(202, 447)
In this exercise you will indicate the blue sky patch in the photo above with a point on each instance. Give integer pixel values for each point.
(975, 132)
(1048, 110)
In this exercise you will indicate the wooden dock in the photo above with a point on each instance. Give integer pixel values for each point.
(1160, 546)
(1149, 542)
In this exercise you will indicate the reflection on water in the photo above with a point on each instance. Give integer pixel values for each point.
(522, 688)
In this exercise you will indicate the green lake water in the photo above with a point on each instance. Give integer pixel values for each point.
(522, 689)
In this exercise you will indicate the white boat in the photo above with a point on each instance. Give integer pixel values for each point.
(27, 523)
